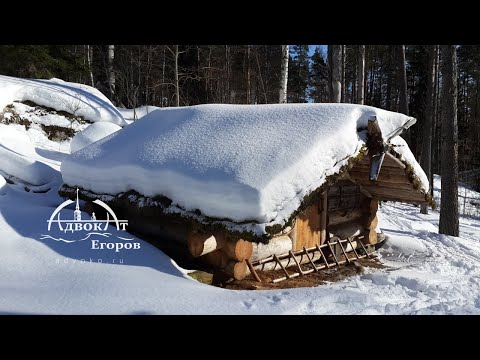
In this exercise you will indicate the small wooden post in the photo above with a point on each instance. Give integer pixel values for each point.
(323, 218)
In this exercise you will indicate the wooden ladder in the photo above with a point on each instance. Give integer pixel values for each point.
(319, 264)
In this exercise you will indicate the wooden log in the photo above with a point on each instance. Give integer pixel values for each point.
(236, 269)
(371, 222)
(323, 217)
(373, 206)
(278, 245)
(200, 244)
(381, 183)
(406, 195)
(355, 172)
(218, 259)
(239, 250)
(341, 216)
(391, 198)
(369, 237)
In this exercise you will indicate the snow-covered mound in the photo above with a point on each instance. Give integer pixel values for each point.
(137, 113)
(242, 162)
(77, 99)
(91, 134)
(17, 158)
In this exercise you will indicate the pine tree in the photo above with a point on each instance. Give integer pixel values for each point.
(318, 80)
(449, 204)
(298, 73)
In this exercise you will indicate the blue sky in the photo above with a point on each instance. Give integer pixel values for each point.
(312, 48)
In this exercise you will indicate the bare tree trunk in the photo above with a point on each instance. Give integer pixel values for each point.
(390, 75)
(89, 63)
(284, 75)
(248, 74)
(426, 158)
(162, 95)
(403, 96)
(449, 203)
(361, 75)
(177, 89)
(227, 66)
(335, 57)
(111, 72)
(342, 97)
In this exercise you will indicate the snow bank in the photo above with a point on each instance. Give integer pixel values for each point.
(78, 99)
(91, 134)
(242, 162)
(137, 113)
(17, 158)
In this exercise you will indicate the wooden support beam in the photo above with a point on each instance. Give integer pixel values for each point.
(354, 172)
(323, 217)
(384, 184)
(406, 195)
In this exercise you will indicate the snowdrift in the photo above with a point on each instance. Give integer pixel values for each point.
(245, 163)
(77, 99)
(91, 134)
(17, 158)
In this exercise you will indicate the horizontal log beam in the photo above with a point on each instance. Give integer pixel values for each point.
(376, 190)
(386, 184)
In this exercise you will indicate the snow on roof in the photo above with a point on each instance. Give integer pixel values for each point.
(77, 99)
(241, 162)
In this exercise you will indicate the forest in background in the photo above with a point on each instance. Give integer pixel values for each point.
(403, 78)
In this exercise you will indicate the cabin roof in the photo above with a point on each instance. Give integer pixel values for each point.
(245, 163)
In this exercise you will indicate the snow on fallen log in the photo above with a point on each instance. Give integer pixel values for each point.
(77, 99)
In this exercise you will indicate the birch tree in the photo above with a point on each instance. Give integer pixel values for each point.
(284, 75)
(335, 64)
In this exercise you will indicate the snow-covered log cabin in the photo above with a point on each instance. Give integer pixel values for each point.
(230, 183)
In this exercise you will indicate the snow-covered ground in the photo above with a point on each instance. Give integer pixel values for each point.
(427, 273)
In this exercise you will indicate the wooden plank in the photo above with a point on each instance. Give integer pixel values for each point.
(384, 171)
(391, 198)
(392, 160)
(296, 262)
(384, 184)
(400, 178)
(379, 191)
(307, 228)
